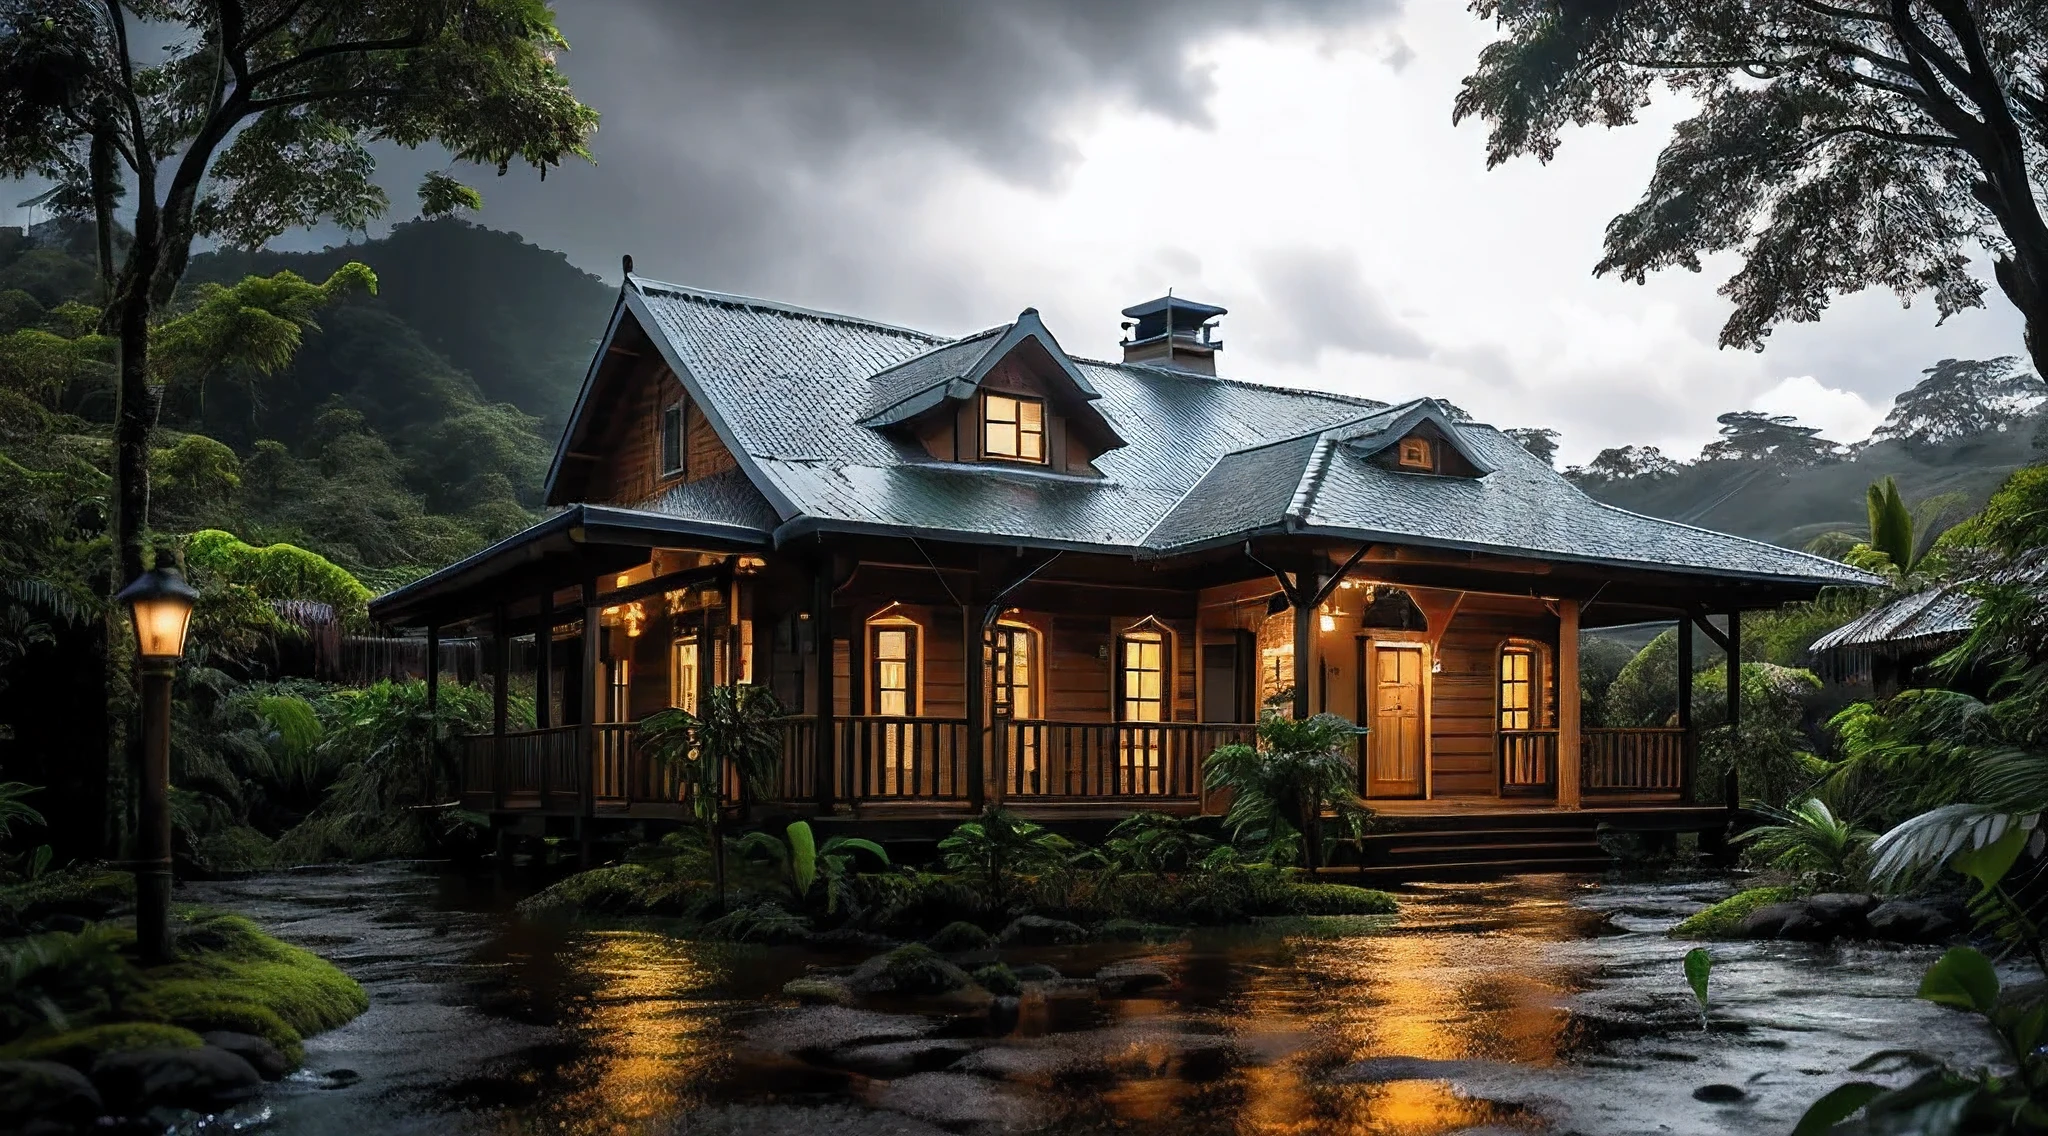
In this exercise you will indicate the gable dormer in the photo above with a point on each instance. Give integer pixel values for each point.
(1419, 438)
(1009, 395)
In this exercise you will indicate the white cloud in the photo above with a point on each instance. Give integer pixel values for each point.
(1842, 415)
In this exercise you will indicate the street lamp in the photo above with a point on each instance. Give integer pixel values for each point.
(160, 605)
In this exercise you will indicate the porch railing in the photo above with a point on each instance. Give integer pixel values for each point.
(891, 758)
(1618, 760)
(1041, 759)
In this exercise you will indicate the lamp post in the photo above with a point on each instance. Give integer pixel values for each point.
(160, 605)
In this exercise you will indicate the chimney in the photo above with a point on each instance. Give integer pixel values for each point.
(1172, 332)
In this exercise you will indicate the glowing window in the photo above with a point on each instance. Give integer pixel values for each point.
(894, 651)
(1144, 677)
(1517, 689)
(683, 671)
(1013, 428)
(1415, 454)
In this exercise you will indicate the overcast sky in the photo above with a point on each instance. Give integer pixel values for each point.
(945, 163)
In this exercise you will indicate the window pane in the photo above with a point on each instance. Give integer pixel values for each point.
(892, 644)
(1002, 439)
(1031, 446)
(1030, 414)
(895, 703)
(1001, 409)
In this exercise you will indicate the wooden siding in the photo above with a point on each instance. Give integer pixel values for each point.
(629, 466)
(1464, 710)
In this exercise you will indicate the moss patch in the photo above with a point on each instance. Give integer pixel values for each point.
(79, 1047)
(622, 889)
(1720, 921)
(79, 891)
(1338, 899)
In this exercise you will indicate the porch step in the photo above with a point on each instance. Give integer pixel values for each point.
(1500, 854)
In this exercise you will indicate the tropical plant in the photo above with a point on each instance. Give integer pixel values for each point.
(995, 849)
(1892, 528)
(1157, 843)
(805, 863)
(1699, 967)
(14, 809)
(1808, 839)
(1944, 1101)
(1281, 788)
(735, 735)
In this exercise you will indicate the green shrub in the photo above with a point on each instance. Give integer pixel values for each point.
(620, 889)
(69, 885)
(762, 923)
(1720, 920)
(278, 571)
(54, 980)
(79, 1047)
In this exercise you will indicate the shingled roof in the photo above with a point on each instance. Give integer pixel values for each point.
(799, 396)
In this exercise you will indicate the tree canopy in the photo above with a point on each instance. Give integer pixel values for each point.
(1838, 145)
(1537, 440)
(1961, 398)
(1752, 435)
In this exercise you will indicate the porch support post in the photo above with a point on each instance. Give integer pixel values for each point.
(1733, 790)
(593, 696)
(501, 667)
(821, 680)
(973, 620)
(543, 660)
(1570, 755)
(1303, 597)
(1687, 751)
(433, 665)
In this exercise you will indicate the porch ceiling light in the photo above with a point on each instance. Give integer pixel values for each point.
(160, 606)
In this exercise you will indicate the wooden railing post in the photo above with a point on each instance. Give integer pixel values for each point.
(543, 660)
(1569, 753)
(973, 619)
(593, 696)
(825, 752)
(1687, 747)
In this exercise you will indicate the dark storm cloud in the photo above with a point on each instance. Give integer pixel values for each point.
(766, 145)
(1317, 299)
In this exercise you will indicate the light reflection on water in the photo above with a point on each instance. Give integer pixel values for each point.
(617, 1033)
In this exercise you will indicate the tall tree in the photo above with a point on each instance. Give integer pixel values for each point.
(1839, 144)
(1752, 435)
(257, 120)
(1624, 463)
(1537, 440)
(1961, 398)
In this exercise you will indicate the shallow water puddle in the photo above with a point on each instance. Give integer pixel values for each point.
(1538, 1004)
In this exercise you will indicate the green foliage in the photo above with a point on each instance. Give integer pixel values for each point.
(57, 980)
(761, 923)
(1771, 753)
(736, 731)
(1721, 920)
(278, 571)
(1155, 842)
(1944, 1101)
(1280, 789)
(1810, 841)
(623, 889)
(1699, 967)
(14, 808)
(803, 865)
(1892, 530)
(1336, 899)
(994, 852)
(77, 1048)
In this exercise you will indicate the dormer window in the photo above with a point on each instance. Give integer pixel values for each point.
(1416, 453)
(1013, 427)
(672, 450)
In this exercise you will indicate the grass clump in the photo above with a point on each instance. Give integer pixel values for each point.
(1721, 920)
(998, 980)
(76, 890)
(79, 1047)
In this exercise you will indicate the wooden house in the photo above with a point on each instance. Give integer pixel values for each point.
(979, 569)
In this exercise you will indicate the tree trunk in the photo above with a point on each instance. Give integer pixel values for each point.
(2027, 292)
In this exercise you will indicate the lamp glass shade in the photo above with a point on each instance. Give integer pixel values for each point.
(160, 605)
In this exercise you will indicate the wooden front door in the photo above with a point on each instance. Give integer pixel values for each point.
(1398, 742)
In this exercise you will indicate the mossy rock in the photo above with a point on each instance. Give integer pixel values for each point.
(200, 1005)
(620, 889)
(998, 980)
(819, 990)
(957, 936)
(79, 1047)
(303, 989)
(912, 969)
(1337, 899)
(1724, 919)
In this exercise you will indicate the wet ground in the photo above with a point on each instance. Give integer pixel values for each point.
(1541, 1004)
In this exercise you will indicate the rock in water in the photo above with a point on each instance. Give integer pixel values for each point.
(1768, 921)
(207, 1079)
(45, 1090)
(1038, 931)
(826, 1028)
(913, 970)
(269, 1063)
(954, 1099)
(1913, 921)
(1719, 1094)
(1123, 979)
(900, 1058)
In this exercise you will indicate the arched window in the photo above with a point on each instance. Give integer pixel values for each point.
(1013, 658)
(1144, 700)
(893, 689)
(1520, 683)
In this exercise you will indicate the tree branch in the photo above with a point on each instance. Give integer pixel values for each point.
(141, 157)
(417, 38)
(258, 106)
(231, 27)
(1836, 12)
(1905, 137)
(1913, 36)
(264, 31)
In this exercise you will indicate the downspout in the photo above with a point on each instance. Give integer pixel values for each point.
(977, 684)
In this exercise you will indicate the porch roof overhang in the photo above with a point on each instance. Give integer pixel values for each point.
(580, 540)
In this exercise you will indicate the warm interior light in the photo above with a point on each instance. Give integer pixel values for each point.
(1329, 623)
(624, 579)
(160, 606)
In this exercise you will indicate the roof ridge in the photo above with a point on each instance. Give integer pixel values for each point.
(948, 345)
(1313, 471)
(1177, 373)
(643, 283)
